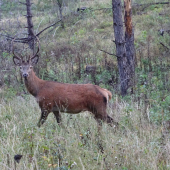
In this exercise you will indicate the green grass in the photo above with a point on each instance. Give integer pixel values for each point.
(137, 144)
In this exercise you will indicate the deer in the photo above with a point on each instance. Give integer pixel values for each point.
(57, 97)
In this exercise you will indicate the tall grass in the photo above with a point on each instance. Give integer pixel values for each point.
(76, 144)
(142, 139)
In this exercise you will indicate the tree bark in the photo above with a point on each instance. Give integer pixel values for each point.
(0, 10)
(129, 39)
(60, 4)
(31, 35)
(120, 45)
(125, 50)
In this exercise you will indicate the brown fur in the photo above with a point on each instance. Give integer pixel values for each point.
(70, 98)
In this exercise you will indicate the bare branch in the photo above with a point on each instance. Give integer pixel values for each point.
(22, 40)
(164, 46)
(156, 3)
(47, 27)
(99, 9)
(22, 3)
(108, 53)
(26, 40)
(114, 41)
(149, 4)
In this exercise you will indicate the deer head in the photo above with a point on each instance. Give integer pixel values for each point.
(27, 65)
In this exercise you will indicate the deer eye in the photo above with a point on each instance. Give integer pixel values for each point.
(20, 67)
(30, 66)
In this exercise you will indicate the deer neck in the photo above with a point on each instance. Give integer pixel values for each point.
(33, 83)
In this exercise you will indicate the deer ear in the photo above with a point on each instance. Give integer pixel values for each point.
(34, 60)
(16, 60)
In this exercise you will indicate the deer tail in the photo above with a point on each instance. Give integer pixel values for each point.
(109, 94)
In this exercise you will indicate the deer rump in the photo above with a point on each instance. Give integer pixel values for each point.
(73, 98)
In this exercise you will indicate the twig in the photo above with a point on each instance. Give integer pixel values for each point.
(164, 45)
(157, 3)
(22, 3)
(108, 53)
(47, 27)
(81, 163)
(114, 41)
(100, 9)
(39, 25)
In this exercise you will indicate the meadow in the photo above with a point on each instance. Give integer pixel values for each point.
(142, 139)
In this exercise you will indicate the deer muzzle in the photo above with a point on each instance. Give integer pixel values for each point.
(25, 75)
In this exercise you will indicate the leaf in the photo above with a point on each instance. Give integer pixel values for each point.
(53, 165)
(45, 147)
(44, 157)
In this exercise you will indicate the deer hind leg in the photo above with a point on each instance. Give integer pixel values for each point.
(44, 115)
(57, 116)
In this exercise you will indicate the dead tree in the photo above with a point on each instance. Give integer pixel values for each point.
(31, 36)
(120, 45)
(129, 39)
(124, 43)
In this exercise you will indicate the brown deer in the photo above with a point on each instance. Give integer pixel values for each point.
(62, 97)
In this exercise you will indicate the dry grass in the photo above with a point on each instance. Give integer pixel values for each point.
(137, 144)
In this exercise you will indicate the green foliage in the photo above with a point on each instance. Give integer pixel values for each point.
(104, 76)
(9, 5)
(6, 55)
(105, 24)
(99, 30)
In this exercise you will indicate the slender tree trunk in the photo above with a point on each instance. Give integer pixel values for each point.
(120, 45)
(0, 10)
(30, 25)
(129, 39)
(60, 4)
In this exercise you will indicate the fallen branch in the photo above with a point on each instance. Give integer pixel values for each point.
(149, 4)
(137, 5)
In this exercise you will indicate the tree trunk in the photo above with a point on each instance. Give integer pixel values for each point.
(125, 50)
(129, 39)
(30, 25)
(60, 4)
(0, 10)
(120, 45)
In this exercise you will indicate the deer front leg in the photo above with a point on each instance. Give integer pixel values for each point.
(44, 115)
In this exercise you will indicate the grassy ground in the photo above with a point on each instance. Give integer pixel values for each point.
(142, 139)
(76, 144)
